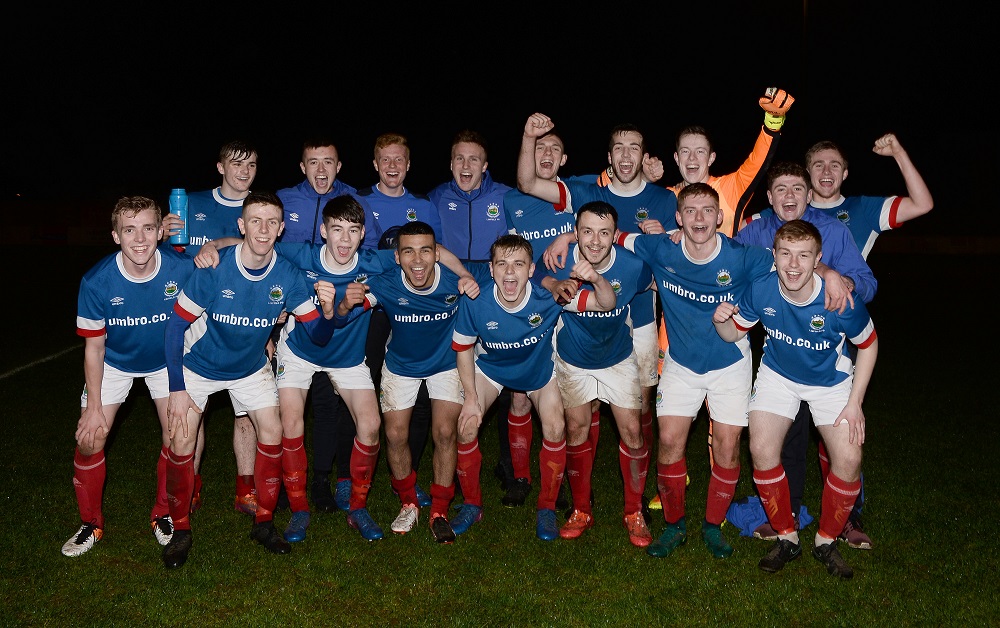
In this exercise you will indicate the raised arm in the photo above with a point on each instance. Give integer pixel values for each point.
(528, 180)
(918, 200)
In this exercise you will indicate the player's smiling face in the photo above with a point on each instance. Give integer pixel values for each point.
(138, 235)
(342, 238)
(827, 174)
(468, 163)
(789, 196)
(261, 224)
(416, 255)
(693, 157)
(595, 236)
(511, 270)
(795, 262)
(699, 217)
(237, 175)
(626, 156)
(321, 165)
(549, 156)
(392, 164)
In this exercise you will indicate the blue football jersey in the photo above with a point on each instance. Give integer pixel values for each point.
(211, 216)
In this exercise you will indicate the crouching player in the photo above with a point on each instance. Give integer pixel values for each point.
(511, 329)
(122, 309)
(805, 359)
(216, 342)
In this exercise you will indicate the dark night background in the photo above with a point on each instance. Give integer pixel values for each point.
(100, 104)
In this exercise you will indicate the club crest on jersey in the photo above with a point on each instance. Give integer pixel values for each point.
(616, 285)
(843, 216)
(535, 319)
(361, 278)
(411, 214)
(277, 294)
(817, 322)
(492, 325)
(723, 278)
(641, 214)
(170, 290)
(450, 299)
(493, 211)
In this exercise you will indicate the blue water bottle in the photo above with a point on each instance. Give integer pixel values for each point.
(179, 206)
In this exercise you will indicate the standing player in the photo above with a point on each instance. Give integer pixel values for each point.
(213, 214)
(420, 298)
(805, 359)
(704, 269)
(122, 309)
(510, 330)
(216, 342)
(595, 360)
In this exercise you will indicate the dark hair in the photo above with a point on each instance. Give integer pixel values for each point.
(236, 150)
(824, 145)
(600, 209)
(790, 168)
(796, 230)
(470, 136)
(623, 128)
(697, 189)
(509, 243)
(319, 141)
(417, 227)
(263, 198)
(344, 207)
(693, 130)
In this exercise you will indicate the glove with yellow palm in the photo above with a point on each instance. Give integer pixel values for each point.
(775, 102)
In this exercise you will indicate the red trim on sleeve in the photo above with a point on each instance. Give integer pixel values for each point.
(90, 333)
(581, 301)
(367, 303)
(741, 327)
(868, 341)
(620, 241)
(561, 205)
(460, 347)
(893, 209)
(308, 316)
(188, 316)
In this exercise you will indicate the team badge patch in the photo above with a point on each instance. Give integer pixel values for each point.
(616, 285)
(450, 299)
(723, 278)
(277, 294)
(641, 214)
(170, 290)
(361, 278)
(280, 371)
(817, 322)
(535, 319)
(411, 214)
(493, 211)
(843, 216)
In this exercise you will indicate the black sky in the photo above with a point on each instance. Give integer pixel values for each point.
(102, 105)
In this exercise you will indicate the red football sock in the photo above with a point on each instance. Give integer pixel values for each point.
(160, 507)
(470, 462)
(772, 486)
(721, 488)
(89, 473)
(293, 468)
(551, 465)
(244, 485)
(635, 465)
(363, 459)
(519, 435)
(267, 480)
(595, 432)
(441, 497)
(406, 488)
(180, 488)
(671, 485)
(824, 461)
(579, 466)
(838, 502)
(647, 430)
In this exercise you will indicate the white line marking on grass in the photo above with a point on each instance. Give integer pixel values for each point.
(37, 362)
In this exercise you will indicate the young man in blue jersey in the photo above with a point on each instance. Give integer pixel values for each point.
(511, 330)
(866, 217)
(122, 309)
(806, 359)
(641, 207)
(703, 269)
(420, 297)
(595, 360)
(333, 427)
(393, 205)
(214, 214)
(216, 341)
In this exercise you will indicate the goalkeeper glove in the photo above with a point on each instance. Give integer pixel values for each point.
(775, 102)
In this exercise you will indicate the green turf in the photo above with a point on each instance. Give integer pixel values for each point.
(929, 470)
